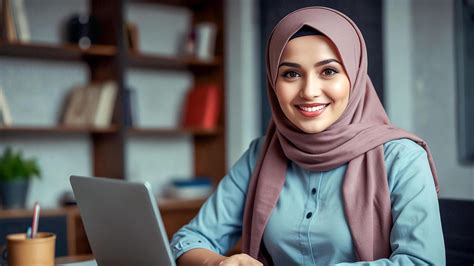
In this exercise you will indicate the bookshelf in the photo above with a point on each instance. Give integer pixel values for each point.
(181, 131)
(110, 59)
(163, 62)
(55, 52)
(57, 130)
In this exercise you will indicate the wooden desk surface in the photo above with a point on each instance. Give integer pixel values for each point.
(20, 213)
(163, 204)
(75, 258)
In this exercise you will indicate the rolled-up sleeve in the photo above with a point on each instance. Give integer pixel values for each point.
(218, 225)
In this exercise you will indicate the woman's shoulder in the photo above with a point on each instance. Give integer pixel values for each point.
(255, 146)
(404, 158)
(248, 159)
(402, 148)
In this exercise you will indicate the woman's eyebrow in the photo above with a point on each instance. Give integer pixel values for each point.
(289, 64)
(327, 61)
(320, 63)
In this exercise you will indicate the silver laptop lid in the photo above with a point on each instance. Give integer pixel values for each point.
(122, 222)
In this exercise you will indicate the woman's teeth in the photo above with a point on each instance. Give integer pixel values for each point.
(312, 109)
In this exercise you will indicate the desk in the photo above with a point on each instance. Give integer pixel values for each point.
(175, 214)
(75, 258)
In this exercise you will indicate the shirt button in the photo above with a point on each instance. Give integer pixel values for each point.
(313, 191)
(309, 215)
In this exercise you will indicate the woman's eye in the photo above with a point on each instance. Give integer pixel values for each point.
(291, 74)
(329, 72)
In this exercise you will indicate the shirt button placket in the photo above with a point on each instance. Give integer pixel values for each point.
(311, 214)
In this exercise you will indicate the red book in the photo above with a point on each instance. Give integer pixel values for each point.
(202, 107)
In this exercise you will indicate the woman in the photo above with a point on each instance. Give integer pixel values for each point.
(332, 182)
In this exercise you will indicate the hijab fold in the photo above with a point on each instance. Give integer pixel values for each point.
(355, 139)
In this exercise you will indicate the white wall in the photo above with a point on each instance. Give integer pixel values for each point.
(398, 67)
(242, 73)
(421, 86)
(159, 98)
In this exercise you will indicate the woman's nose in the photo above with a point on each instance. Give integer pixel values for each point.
(310, 89)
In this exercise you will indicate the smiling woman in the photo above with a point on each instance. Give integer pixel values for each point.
(332, 182)
(312, 86)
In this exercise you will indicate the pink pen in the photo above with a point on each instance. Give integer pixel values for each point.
(34, 226)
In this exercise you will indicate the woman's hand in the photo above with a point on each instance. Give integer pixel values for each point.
(240, 260)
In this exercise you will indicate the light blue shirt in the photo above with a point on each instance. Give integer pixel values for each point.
(308, 226)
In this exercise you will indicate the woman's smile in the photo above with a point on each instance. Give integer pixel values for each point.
(311, 110)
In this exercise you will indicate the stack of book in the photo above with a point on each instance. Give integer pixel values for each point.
(91, 105)
(195, 188)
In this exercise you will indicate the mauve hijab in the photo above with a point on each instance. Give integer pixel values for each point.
(356, 139)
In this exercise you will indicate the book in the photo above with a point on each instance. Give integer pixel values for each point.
(8, 22)
(132, 37)
(205, 40)
(81, 106)
(129, 102)
(5, 115)
(91, 105)
(20, 20)
(2, 21)
(202, 107)
(106, 103)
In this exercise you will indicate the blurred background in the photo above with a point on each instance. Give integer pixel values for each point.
(156, 52)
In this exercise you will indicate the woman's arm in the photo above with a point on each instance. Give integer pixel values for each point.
(200, 256)
(218, 225)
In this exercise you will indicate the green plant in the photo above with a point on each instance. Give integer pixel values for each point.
(13, 166)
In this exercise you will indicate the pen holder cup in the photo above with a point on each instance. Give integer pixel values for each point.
(31, 251)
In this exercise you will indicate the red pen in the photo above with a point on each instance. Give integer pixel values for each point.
(34, 226)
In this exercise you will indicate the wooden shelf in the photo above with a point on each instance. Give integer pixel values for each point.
(59, 129)
(179, 204)
(166, 62)
(56, 52)
(164, 204)
(178, 3)
(173, 132)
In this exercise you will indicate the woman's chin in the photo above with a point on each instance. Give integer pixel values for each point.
(312, 129)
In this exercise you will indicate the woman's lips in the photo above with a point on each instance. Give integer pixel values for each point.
(311, 110)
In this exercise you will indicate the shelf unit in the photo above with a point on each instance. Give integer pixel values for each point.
(109, 60)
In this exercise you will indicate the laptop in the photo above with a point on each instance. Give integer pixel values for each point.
(122, 222)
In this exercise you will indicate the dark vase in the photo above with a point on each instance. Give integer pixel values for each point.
(13, 194)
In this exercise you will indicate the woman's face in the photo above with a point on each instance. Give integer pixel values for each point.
(312, 86)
